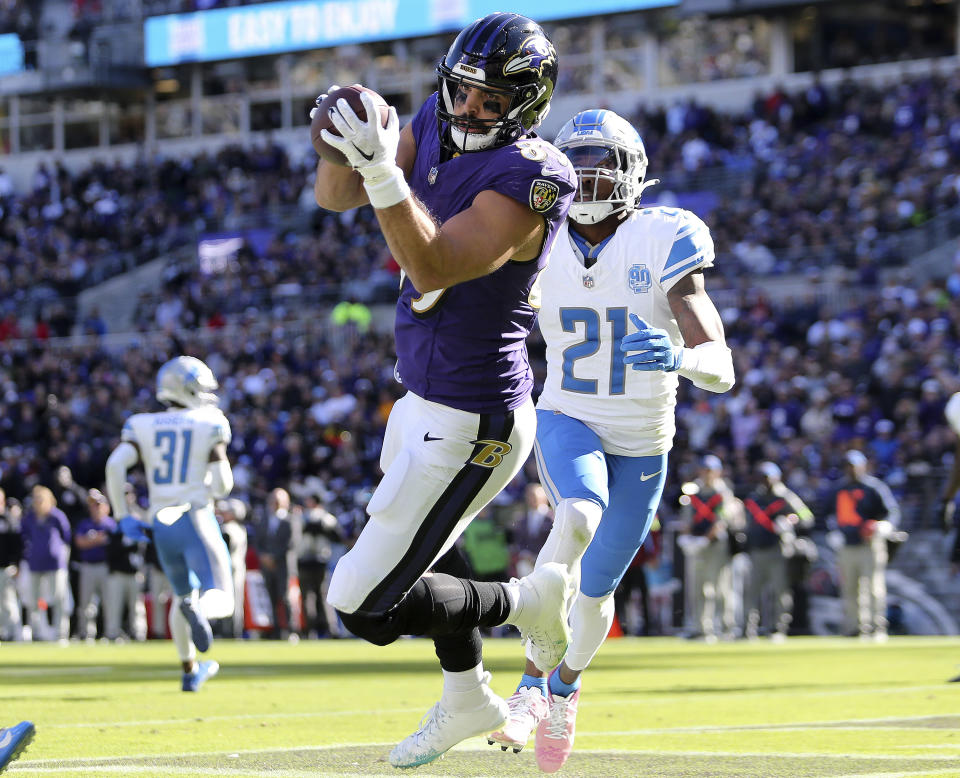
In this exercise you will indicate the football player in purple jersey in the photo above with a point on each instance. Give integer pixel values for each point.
(470, 201)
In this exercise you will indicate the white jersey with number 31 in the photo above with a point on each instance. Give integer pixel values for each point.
(585, 314)
(175, 449)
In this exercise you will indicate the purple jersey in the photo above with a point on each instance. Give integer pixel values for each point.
(465, 346)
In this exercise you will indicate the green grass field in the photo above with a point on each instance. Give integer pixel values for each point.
(656, 707)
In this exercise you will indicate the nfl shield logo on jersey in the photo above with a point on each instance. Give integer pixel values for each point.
(543, 194)
(588, 282)
(432, 176)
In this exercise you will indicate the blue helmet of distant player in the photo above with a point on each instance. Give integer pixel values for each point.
(604, 147)
(188, 382)
(503, 54)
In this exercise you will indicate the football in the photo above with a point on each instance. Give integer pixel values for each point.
(321, 119)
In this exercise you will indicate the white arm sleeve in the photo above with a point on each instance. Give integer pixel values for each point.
(219, 478)
(709, 366)
(124, 457)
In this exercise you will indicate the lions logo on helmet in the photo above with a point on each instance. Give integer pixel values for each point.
(188, 382)
(604, 147)
(503, 54)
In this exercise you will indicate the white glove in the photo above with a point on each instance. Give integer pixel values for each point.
(371, 149)
(321, 98)
(366, 144)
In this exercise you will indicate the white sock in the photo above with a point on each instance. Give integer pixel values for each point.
(591, 619)
(464, 689)
(180, 631)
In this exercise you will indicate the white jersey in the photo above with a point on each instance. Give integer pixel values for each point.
(585, 314)
(175, 448)
(952, 412)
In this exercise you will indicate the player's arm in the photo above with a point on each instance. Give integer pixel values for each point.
(474, 243)
(340, 188)
(706, 360)
(219, 478)
(121, 459)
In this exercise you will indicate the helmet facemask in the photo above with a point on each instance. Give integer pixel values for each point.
(468, 133)
(502, 54)
(610, 162)
(613, 168)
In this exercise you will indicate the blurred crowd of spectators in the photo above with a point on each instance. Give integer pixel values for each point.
(308, 404)
(308, 400)
(71, 231)
(19, 16)
(830, 175)
(825, 178)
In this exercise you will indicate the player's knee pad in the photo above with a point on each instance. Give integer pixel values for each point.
(385, 495)
(374, 627)
(341, 591)
(574, 525)
(591, 619)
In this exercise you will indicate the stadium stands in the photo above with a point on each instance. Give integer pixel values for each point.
(836, 186)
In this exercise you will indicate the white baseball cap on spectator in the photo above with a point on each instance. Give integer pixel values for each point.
(883, 426)
(770, 470)
(711, 462)
(855, 458)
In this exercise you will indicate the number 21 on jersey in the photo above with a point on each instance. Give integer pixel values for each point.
(616, 319)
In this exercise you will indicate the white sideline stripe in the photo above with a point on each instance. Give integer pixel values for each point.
(233, 753)
(668, 699)
(169, 770)
(471, 744)
(911, 774)
(784, 726)
(64, 670)
(717, 730)
(238, 717)
(842, 724)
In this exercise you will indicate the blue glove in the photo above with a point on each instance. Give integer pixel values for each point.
(652, 346)
(133, 529)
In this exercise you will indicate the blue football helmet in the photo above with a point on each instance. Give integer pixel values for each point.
(188, 382)
(603, 146)
(504, 54)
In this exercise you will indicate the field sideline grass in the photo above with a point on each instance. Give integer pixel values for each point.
(665, 708)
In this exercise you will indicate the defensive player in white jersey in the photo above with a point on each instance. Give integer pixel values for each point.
(184, 454)
(605, 419)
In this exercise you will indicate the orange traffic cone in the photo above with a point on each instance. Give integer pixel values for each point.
(616, 631)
